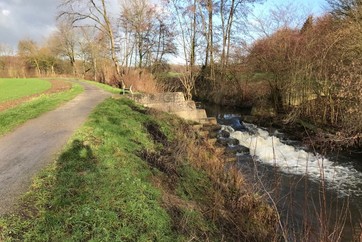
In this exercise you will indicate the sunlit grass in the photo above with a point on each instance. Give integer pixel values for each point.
(11, 88)
(105, 87)
(99, 188)
(13, 117)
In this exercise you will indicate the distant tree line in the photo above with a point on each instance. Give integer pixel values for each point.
(92, 37)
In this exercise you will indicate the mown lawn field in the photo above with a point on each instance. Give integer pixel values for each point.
(13, 117)
(11, 89)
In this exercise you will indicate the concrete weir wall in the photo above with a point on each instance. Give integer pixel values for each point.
(172, 102)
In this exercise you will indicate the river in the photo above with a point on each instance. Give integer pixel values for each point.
(313, 193)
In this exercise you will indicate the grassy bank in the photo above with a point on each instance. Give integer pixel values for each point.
(11, 88)
(105, 87)
(132, 174)
(13, 117)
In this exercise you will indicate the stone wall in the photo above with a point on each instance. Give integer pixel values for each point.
(172, 102)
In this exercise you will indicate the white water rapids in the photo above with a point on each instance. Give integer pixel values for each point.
(269, 149)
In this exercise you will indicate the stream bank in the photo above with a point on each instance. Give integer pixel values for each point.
(303, 199)
(322, 139)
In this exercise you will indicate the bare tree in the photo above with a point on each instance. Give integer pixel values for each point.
(29, 50)
(206, 9)
(92, 13)
(187, 15)
(94, 54)
(289, 15)
(64, 42)
(6, 50)
(165, 38)
(138, 17)
(227, 12)
(7, 59)
(346, 8)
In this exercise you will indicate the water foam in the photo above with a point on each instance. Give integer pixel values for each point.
(270, 150)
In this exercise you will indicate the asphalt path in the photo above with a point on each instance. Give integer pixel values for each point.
(34, 144)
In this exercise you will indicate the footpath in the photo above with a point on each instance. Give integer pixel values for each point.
(33, 145)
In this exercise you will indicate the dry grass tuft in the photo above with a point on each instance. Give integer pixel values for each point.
(141, 81)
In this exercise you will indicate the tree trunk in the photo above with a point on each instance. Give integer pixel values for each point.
(193, 39)
(211, 40)
(37, 67)
(72, 63)
(228, 32)
(94, 69)
(110, 34)
(222, 6)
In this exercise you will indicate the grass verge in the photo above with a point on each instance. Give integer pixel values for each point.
(11, 88)
(11, 118)
(105, 87)
(133, 174)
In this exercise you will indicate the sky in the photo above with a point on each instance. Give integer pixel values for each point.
(262, 22)
(21, 19)
(316, 7)
(35, 19)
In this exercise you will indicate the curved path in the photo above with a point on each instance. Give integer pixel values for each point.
(31, 146)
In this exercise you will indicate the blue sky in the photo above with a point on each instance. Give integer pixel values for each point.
(316, 7)
(271, 15)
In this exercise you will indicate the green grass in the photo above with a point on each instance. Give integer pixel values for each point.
(11, 89)
(11, 118)
(174, 74)
(99, 189)
(167, 75)
(124, 176)
(105, 87)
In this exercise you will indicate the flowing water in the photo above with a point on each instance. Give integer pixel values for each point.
(307, 187)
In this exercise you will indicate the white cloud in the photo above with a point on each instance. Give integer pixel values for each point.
(22, 19)
(6, 12)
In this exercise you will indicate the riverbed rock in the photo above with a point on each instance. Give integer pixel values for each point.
(240, 149)
(243, 150)
(233, 142)
(212, 127)
(237, 125)
(222, 141)
(234, 122)
(228, 141)
(224, 134)
(244, 158)
(236, 150)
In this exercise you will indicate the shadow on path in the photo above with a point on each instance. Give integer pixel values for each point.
(33, 145)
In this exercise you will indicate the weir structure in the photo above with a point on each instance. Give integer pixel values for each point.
(175, 103)
(207, 128)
